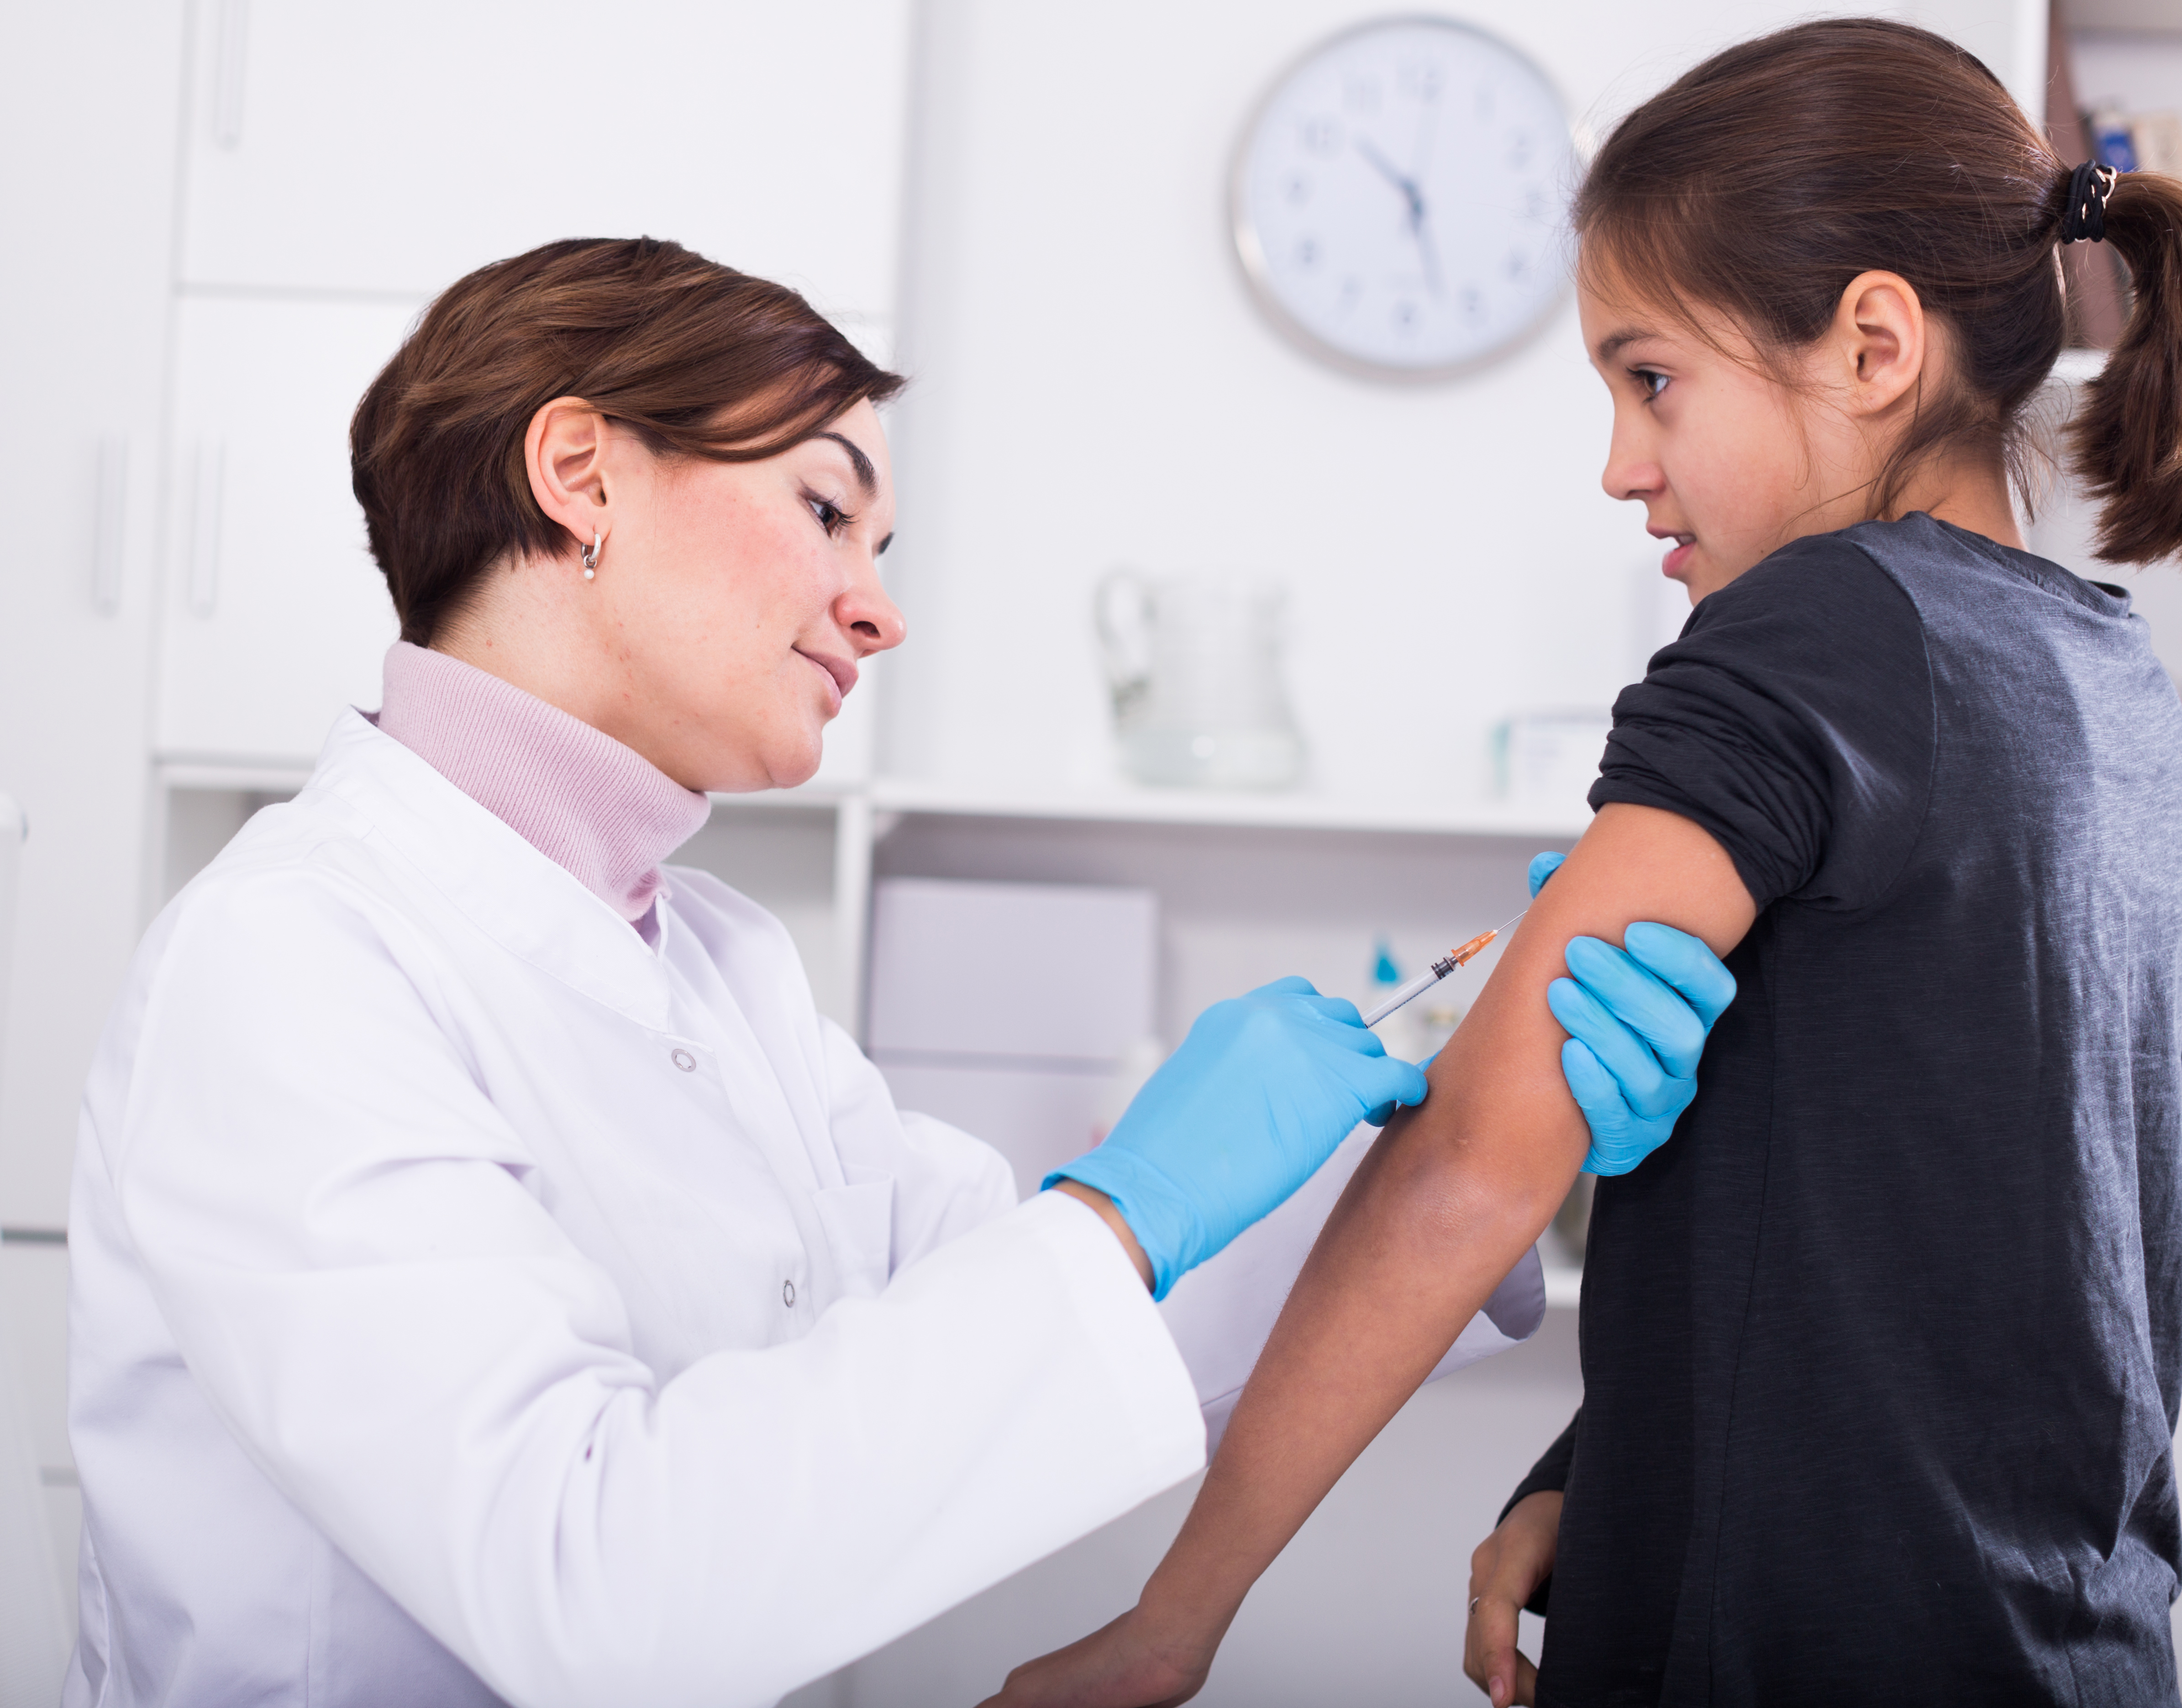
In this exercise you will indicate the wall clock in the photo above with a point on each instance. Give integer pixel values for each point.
(1400, 198)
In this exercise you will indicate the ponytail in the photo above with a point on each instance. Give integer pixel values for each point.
(2125, 439)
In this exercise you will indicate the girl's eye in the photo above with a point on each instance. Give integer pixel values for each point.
(1652, 380)
(831, 516)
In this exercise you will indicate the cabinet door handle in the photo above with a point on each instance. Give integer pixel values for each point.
(109, 534)
(204, 527)
(230, 60)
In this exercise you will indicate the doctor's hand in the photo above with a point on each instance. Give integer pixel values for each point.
(1637, 1018)
(1260, 1094)
(1504, 1574)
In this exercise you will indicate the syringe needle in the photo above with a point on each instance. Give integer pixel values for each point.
(1438, 970)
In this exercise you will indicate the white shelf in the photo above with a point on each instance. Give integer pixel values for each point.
(810, 797)
(1111, 805)
(2075, 367)
(286, 776)
(1563, 1287)
(241, 776)
(1118, 804)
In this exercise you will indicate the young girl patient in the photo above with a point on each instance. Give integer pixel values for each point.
(1882, 1357)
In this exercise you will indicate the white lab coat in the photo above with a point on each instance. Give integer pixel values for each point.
(471, 1301)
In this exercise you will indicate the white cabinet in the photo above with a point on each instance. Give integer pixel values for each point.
(275, 616)
(395, 147)
(342, 163)
(88, 131)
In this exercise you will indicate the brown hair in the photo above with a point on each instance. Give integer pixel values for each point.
(1764, 181)
(700, 360)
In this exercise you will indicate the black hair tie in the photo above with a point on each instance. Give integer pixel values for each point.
(2084, 220)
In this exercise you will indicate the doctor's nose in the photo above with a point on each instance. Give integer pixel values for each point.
(869, 618)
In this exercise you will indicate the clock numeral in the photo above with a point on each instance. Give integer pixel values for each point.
(1420, 80)
(1519, 265)
(1322, 135)
(1361, 94)
(1473, 302)
(1352, 292)
(1485, 101)
(1298, 190)
(1306, 253)
(1534, 203)
(1520, 149)
(1405, 318)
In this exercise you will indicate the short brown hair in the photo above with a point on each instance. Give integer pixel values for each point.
(1764, 180)
(700, 360)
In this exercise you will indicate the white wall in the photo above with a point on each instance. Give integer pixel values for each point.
(2136, 70)
(1093, 387)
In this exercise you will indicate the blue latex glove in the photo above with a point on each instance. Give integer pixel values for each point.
(1638, 1021)
(1260, 1094)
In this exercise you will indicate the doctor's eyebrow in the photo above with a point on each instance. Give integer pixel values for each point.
(867, 476)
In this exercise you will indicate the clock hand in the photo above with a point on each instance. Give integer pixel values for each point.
(1387, 170)
(1422, 230)
(1418, 213)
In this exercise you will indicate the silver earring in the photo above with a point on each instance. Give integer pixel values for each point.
(592, 557)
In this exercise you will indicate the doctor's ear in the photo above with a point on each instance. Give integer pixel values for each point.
(565, 452)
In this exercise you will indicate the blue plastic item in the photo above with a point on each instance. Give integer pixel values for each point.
(1637, 1019)
(2113, 142)
(1262, 1089)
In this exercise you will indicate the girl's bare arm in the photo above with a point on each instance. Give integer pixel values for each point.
(1450, 1198)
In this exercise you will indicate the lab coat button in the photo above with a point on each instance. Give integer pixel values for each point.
(788, 1293)
(683, 1059)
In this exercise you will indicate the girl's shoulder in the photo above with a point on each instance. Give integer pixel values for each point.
(1906, 579)
(1938, 564)
(1821, 592)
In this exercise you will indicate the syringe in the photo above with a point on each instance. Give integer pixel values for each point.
(1438, 970)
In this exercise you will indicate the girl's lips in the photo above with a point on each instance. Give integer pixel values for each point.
(840, 673)
(1677, 554)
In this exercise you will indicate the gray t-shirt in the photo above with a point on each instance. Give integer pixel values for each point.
(1882, 1353)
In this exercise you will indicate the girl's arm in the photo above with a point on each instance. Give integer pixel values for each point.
(1449, 1199)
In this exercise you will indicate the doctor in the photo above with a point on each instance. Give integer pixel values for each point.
(492, 1279)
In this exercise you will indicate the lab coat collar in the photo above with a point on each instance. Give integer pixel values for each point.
(522, 900)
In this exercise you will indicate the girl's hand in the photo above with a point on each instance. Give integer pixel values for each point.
(1117, 1666)
(1505, 1572)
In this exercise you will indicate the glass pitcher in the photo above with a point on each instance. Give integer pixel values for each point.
(1193, 663)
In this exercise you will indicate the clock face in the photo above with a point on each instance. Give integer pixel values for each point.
(1401, 198)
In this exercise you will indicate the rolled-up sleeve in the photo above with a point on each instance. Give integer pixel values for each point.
(1794, 721)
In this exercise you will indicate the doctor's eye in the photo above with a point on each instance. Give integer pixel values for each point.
(831, 516)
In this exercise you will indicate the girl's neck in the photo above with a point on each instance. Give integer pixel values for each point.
(1972, 494)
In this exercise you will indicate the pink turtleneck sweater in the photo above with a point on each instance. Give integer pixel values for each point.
(600, 809)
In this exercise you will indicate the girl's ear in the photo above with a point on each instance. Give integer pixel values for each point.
(1880, 337)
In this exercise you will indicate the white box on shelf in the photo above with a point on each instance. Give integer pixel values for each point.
(1549, 760)
(1058, 972)
(1008, 1009)
(1037, 1117)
